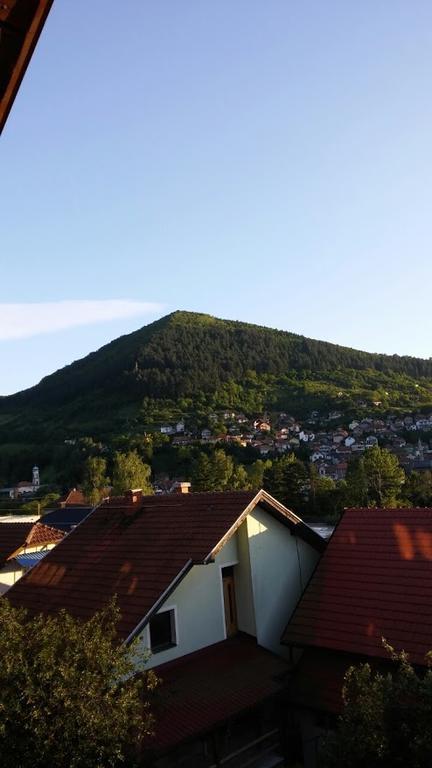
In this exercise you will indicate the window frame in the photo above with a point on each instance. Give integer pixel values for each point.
(172, 609)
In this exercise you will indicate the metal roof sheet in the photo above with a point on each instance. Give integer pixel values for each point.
(29, 559)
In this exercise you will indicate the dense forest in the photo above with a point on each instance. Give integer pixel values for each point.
(190, 366)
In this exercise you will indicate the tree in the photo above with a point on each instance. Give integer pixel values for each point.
(323, 493)
(129, 471)
(239, 480)
(201, 475)
(68, 693)
(385, 477)
(357, 484)
(386, 720)
(222, 467)
(418, 488)
(375, 480)
(256, 473)
(95, 479)
(36, 506)
(287, 481)
(218, 473)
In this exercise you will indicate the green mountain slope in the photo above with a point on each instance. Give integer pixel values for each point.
(189, 363)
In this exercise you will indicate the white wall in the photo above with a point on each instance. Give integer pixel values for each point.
(198, 601)
(243, 584)
(9, 574)
(271, 569)
(281, 565)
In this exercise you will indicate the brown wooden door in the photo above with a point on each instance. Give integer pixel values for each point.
(230, 605)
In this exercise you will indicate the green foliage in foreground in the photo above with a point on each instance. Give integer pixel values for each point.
(67, 697)
(386, 721)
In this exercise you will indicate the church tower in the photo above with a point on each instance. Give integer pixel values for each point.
(36, 479)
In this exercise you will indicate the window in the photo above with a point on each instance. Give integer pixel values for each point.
(163, 631)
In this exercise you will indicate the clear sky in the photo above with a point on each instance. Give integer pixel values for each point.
(267, 161)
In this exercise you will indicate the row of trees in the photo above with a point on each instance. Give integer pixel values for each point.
(128, 471)
(219, 472)
(373, 479)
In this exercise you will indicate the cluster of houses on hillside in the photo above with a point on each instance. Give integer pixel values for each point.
(329, 440)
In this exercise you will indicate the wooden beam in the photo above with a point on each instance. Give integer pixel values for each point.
(22, 22)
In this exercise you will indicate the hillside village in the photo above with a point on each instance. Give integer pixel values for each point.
(328, 440)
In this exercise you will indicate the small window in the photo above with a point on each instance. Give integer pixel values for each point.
(162, 631)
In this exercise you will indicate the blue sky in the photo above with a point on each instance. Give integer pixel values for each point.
(263, 161)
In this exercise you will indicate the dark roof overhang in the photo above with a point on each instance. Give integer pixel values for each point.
(21, 22)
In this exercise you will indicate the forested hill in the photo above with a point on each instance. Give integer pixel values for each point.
(185, 357)
(187, 352)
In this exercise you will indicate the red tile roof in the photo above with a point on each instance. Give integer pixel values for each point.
(43, 534)
(374, 581)
(138, 551)
(74, 498)
(203, 689)
(12, 536)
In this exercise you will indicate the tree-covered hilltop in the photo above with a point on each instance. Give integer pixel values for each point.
(193, 366)
(185, 353)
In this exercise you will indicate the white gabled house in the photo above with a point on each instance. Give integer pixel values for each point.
(206, 582)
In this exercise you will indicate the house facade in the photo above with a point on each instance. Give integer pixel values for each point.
(205, 582)
(248, 586)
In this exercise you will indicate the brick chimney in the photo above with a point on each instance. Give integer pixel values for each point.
(181, 487)
(134, 496)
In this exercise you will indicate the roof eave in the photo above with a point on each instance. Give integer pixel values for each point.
(281, 513)
(20, 56)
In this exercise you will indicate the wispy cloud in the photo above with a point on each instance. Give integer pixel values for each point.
(20, 321)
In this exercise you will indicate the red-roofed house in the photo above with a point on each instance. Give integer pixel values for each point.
(21, 544)
(208, 576)
(373, 581)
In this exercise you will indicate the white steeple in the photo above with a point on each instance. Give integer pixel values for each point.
(36, 479)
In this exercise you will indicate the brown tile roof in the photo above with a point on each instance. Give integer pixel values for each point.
(138, 551)
(206, 688)
(374, 581)
(12, 536)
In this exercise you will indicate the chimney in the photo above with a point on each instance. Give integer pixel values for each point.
(181, 487)
(134, 496)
